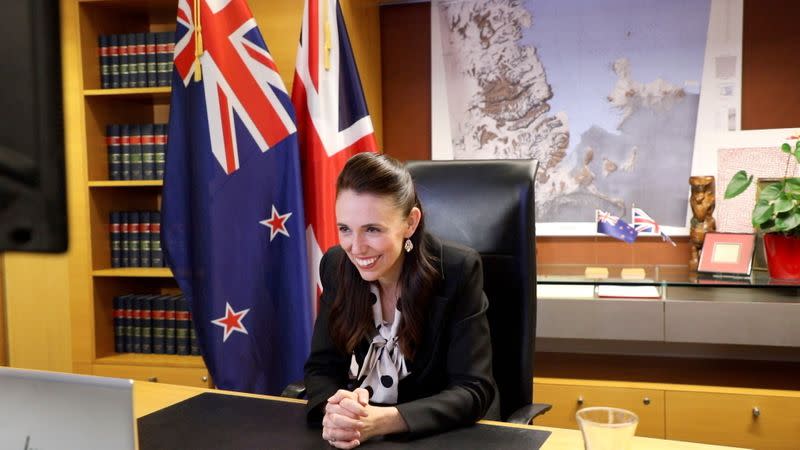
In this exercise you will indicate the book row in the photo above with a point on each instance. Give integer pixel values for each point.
(136, 151)
(136, 239)
(145, 323)
(135, 59)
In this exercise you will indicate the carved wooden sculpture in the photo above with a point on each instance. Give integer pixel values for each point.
(702, 202)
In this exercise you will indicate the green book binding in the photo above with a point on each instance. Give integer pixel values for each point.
(169, 325)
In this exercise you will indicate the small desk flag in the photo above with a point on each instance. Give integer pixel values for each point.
(614, 226)
(643, 223)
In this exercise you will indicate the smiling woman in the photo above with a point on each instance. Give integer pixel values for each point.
(401, 343)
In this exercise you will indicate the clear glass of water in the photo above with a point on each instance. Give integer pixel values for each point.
(606, 428)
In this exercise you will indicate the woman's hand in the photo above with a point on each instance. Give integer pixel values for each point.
(350, 419)
(342, 423)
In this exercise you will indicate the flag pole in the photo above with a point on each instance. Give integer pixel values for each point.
(198, 42)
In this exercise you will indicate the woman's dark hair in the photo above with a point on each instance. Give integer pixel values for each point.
(351, 314)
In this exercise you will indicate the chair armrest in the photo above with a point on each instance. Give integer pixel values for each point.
(526, 414)
(294, 390)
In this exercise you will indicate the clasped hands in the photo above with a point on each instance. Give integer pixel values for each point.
(350, 420)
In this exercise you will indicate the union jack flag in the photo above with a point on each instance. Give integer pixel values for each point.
(332, 120)
(233, 220)
(643, 223)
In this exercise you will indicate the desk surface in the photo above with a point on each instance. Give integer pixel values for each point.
(151, 397)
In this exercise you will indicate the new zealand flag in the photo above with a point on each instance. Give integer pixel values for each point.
(615, 227)
(233, 223)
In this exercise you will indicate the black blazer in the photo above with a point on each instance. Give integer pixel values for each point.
(450, 382)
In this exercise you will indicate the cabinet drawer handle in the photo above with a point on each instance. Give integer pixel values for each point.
(756, 412)
(580, 400)
(204, 379)
(646, 400)
(152, 379)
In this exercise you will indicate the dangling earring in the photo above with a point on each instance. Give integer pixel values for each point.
(408, 246)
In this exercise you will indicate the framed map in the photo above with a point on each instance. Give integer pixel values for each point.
(606, 95)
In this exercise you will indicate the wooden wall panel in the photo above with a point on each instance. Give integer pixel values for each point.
(770, 51)
(405, 73)
(605, 250)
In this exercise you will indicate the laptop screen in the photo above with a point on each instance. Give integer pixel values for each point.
(51, 410)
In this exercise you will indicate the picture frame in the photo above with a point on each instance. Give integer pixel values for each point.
(727, 254)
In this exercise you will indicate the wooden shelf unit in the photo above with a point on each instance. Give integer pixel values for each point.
(88, 109)
(749, 404)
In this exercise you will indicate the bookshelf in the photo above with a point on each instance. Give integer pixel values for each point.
(88, 109)
(82, 284)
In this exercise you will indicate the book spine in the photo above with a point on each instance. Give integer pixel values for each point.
(136, 152)
(144, 239)
(119, 328)
(160, 148)
(133, 62)
(169, 57)
(181, 325)
(161, 52)
(194, 344)
(148, 152)
(114, 152)
(141, 62)
(125, 239)
(150, 59)
(125, 151)
(115, 226)
(134, 239)
(169, 325)
(113, 60)
(136, 314)
(127, 323)
(147, 323)
(103, 44)
(124, 77)
(158, 324)
(156, 256)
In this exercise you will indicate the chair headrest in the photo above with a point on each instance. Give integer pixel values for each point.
(483, 203)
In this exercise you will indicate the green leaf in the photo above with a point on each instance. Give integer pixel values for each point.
(762, 212)
(772, 192)
(738, 184)
(767, 226)
(788, 223)
(783, 203)
(797, 145)
(793, 186)
(797, 155)
(786, 148)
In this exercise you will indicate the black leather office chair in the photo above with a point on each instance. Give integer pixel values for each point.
(489, 206)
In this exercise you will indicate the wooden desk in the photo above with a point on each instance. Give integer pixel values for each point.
(151, 397)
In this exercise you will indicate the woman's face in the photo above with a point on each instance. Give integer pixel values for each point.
(372, 231)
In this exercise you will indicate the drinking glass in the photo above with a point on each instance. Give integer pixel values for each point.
(606, 428)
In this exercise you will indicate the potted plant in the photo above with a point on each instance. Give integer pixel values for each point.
(777, 215)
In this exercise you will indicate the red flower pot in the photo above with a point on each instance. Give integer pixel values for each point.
(783, 256)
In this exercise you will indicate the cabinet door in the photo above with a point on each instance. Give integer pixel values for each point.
(648, 404)
(751, 421)
(196, 377)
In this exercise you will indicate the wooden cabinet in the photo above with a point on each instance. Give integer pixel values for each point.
(567, 399)
(762, 422)
(759, 419)
(93, 196)
(169, 375)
